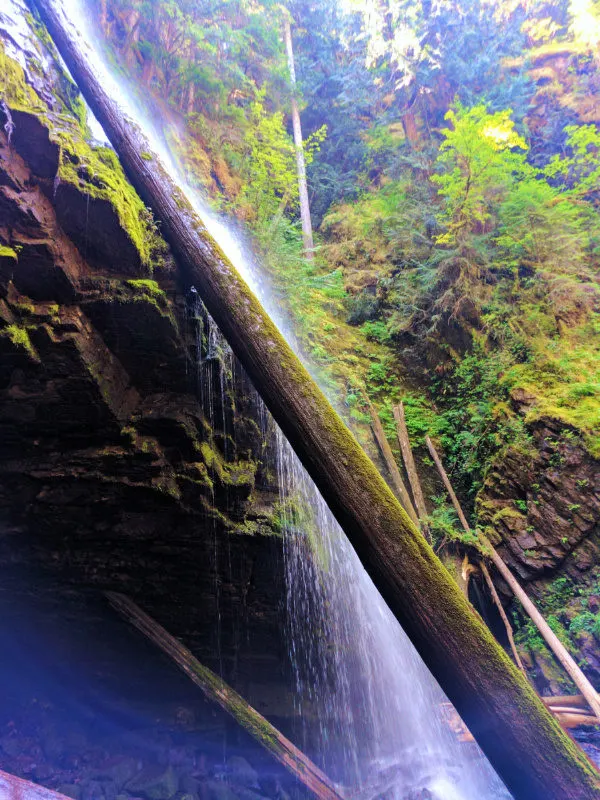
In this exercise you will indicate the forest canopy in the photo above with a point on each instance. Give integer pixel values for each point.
(453, 173)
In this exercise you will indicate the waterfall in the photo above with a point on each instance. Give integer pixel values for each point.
(371, 713)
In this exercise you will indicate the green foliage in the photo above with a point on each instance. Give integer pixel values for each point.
(19, 336)
(480, 154)
(376, 331)
(267, 165)
(565, 605)
(421, 419)
(445, 527)
(541, 228)
(476, 421)
(459, 238)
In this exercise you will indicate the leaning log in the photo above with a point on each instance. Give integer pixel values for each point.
(215, 689)
(503, 616)
(390, 462)
(409, 461)
(529, 750)
(13, 788)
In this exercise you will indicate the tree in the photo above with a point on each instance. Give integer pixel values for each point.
(307, 233)
(477, 164)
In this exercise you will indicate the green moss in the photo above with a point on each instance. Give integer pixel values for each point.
(20, 338)
(129, 433)
(7, 252)
(148, 287)
(24, 307)
(145, 290)
(14, 89)
(98, 173)
(235, 473)
(564, 378)
(146, 156)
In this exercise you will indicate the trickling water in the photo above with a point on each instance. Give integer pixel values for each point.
(380, 711)
(9, 125)
(370, 711)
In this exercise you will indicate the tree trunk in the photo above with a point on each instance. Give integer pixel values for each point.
(307, 234)
(219, 692)
(502, 612)
(409, 463)
(551, 639)
(390, 461)
(530, 751)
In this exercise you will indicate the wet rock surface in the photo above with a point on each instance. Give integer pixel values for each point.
(542, 511)
(164, 762)
(544, 505)
(129, 460)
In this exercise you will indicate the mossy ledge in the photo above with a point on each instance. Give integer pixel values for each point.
(93, 171)
(19, 336)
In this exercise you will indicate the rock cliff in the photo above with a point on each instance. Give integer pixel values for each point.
(129, 455)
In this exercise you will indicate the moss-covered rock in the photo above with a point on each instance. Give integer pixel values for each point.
(94, 202)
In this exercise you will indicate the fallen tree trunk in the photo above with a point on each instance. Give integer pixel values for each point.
(565, 700)
(13, 788)
(556, 646)
(219, 692)
(531, 753)
(409, 461)
(571, 721)
(390, 462)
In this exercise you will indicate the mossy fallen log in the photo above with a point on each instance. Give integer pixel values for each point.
(531, 753)
(219, 692)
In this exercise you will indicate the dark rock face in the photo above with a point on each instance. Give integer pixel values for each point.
(124, 465)
(542, 509)
(544, 505)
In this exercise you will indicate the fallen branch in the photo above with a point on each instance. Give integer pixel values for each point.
(502, 612)
(217, 690)
(13, 788)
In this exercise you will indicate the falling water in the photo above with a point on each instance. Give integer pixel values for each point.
(371, 712)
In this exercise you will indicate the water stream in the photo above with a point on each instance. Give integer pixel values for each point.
(371, 713)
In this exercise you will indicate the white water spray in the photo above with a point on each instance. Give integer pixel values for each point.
(371, 712)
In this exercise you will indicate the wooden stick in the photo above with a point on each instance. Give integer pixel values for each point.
(388, 456)
(551, 639)
(217, 690)
(565, 700)
(502, 612)
(440, 467)
(409, 462)
(13, 788)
